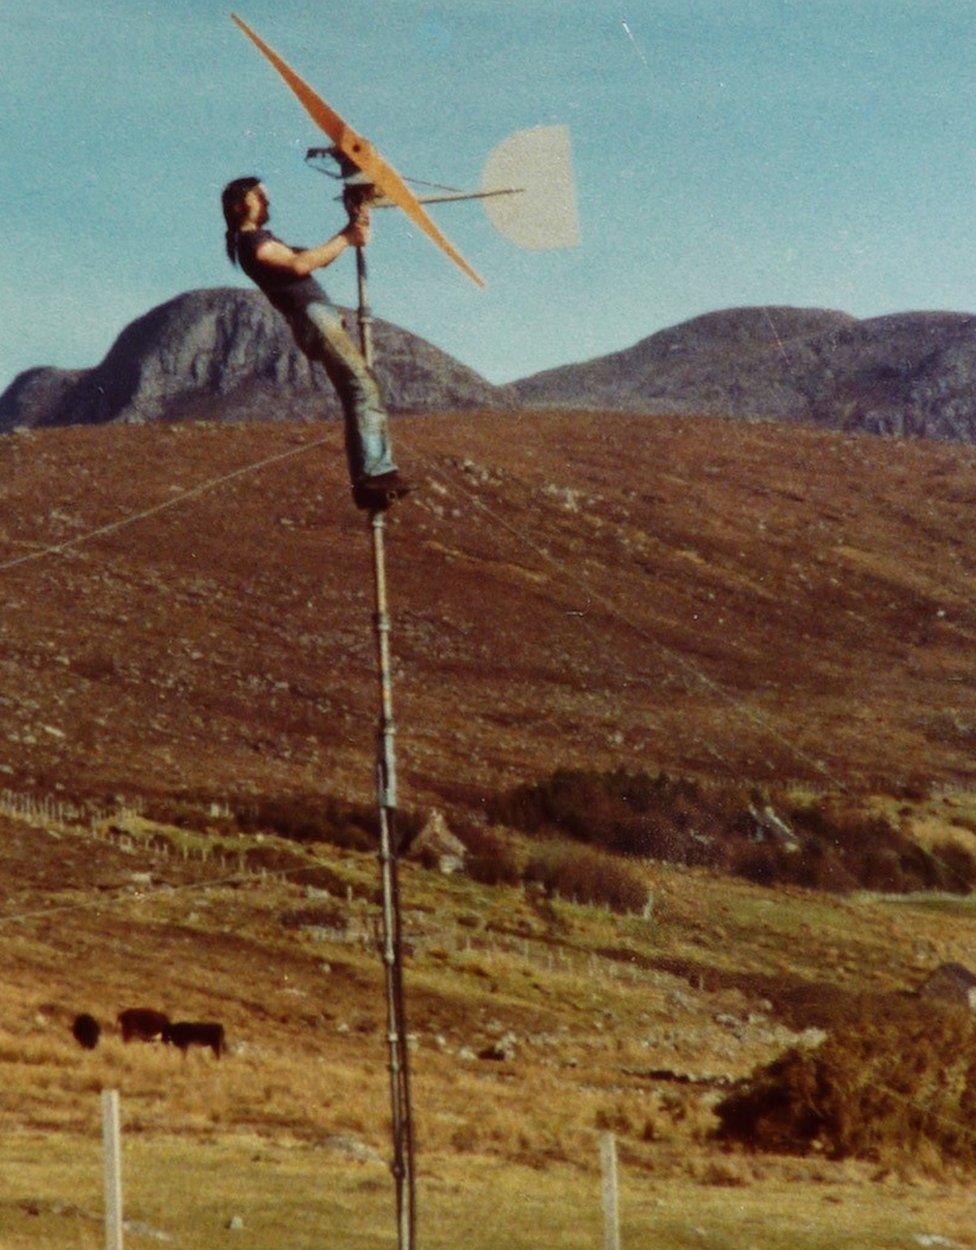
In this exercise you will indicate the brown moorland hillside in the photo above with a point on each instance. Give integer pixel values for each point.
(729, 600)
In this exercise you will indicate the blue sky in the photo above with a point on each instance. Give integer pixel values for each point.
(726, 152)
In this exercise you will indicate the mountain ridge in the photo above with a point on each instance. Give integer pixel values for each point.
(907, 374)
(224, 353)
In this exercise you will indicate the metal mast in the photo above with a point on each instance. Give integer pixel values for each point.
(356, 194)
(367, 177)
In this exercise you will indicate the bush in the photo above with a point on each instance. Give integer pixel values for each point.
(899, 1083)
(491, 858)
(328, 915)
(312, 818)
(823, 845)
(630, 813)
(958, 865)
(299, 818)
(761, 862)
(876, 856)
(305, 819)
(191, 812)
(819, 866)
(587, 876)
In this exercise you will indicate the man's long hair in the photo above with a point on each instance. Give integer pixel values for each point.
(232, 202)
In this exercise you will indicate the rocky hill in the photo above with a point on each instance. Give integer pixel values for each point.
(225, 354)
(909, 374)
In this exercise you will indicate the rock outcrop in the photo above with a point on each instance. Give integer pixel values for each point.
(951, 983)
(225, 354)
(910, 374)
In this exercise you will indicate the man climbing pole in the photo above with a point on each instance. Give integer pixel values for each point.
(284, 274)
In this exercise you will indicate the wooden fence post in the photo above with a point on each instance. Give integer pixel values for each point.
(611, 1204)
(112, 1159)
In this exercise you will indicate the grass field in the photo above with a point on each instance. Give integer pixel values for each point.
(294, 1197)
(288, 1132)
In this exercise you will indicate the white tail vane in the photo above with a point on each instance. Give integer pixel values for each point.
(539, 162)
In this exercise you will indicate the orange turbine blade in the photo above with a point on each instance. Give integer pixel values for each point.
(360, 151)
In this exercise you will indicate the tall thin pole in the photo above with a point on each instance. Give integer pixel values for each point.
(392, 945)
(364, 314)
(399, 1060)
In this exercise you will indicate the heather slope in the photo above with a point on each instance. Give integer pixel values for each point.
(187, 608)
(740, 600)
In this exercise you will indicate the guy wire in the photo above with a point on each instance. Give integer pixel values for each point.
(194, 491)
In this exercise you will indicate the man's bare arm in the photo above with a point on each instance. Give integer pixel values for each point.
(301, 263)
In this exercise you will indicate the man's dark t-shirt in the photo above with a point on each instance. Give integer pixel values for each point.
(288, 292)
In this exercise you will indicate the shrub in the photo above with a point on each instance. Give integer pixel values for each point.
(588, 876)
(761, 862)
(819, 866)
(825, 845)
(299, 818)
(916, 787)
(872, 853)
(190, 812)
(958, 864)
(270, 859)
(306, 819)
(897, 1083)
(631, 813)
(328, 915)
(312, 818)
(321, 877)
(491, 858)
(882, 870)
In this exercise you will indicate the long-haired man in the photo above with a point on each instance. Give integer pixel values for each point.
(284, 274)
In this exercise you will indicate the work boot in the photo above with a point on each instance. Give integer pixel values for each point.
(375, 494)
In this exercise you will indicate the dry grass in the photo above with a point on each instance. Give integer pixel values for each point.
(307, 1060)
(897, 1084)
(297, 1197)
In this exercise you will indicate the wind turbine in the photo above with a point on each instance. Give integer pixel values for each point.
(538, 212)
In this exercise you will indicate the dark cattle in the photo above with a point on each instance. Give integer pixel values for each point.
(143, 1023)
(187, 1033)
(86, 1031)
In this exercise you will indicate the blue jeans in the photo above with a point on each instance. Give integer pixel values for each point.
(319, 332)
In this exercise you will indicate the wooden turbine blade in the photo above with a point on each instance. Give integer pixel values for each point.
(360, 151)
